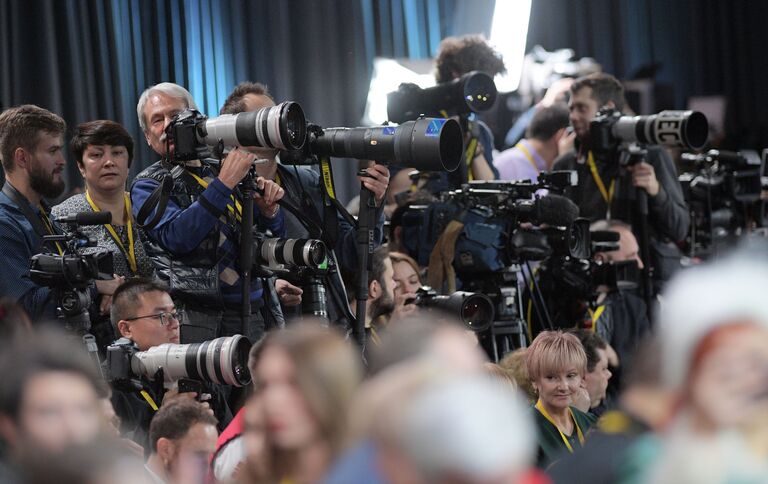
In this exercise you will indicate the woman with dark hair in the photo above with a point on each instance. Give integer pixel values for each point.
(556, 364)
(104, 150)
(304, 379)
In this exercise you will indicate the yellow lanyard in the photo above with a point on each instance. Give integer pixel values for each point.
(470, 157)
(49, 227)
(149, 400)
(236, 210)
(130, 254)
(540, 408)
(595, 315)
(327, 173)
(607, 194)
(528, 155)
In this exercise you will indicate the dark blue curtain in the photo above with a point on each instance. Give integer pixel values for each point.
(705, 47)
(90, 59)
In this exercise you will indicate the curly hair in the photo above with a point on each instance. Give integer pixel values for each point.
(458, 55)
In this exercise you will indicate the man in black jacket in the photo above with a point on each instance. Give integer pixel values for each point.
(144, 314)
(607, 190)
(304, 189)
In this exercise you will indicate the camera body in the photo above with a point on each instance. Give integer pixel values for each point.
(279, 127)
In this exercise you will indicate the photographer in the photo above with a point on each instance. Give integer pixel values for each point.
(31, 141)
(195, 244)
(304, 190)
(458, 56)
(623, 321)
(606, 190)
(143, 312)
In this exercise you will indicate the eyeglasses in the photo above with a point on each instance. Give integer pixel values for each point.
(165, 318)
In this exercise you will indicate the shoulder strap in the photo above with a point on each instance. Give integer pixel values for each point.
(23, 204)
(158, 199)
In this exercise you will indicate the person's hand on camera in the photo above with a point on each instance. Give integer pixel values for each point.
(235, 166)
(644, 176)
(106, 289)
(267, 203)
(289, 294)
(404, 308)
(377, 181)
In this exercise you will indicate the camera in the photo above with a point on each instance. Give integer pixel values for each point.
(472, 92)
(432, 144)
(475, 310)
(281, 127)
(277, 253)
(723, 192)
(69, 274)
(571, 285)
(222, 361)
(677, 129)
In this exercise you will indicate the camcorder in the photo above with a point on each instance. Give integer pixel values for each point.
(222, 361)
(475, 310)
(193, 135)
(474, 91)
(69, 274)
(723, 192)
(572, 285)
(676, 129)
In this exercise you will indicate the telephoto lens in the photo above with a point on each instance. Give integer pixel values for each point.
(275, 252)
(282, 127)
(223, 361)
(474, 309)
(429, 144)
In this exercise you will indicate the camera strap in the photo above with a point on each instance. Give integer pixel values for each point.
(595, 315)
(130, 253)
(607, 194)
(158, 199)
(41, 225)
(330, 201)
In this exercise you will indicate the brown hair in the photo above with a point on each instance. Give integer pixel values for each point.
(100, 132)
(235, 102)
(396, 257)
(604, 87)
(554, 351)
(514, 362)
(458, 55)
(174, 421)
(20, 127)
(327, 373)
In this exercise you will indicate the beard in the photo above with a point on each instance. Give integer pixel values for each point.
(383, 306)
(43, 183)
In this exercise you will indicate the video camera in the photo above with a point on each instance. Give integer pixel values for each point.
(475, 310)
(676, 129)
(571, 285)
(282, 127)
(223, 361)
(472, 92)
(723, 193)
(69, 274)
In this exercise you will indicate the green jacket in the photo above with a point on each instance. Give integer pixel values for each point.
(551, 444)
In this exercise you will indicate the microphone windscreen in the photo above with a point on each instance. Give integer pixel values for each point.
(556, 210)
(87, 218)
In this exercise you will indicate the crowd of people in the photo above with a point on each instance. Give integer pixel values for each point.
(661, 383)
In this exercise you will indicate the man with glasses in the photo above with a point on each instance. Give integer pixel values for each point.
(143, 312)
